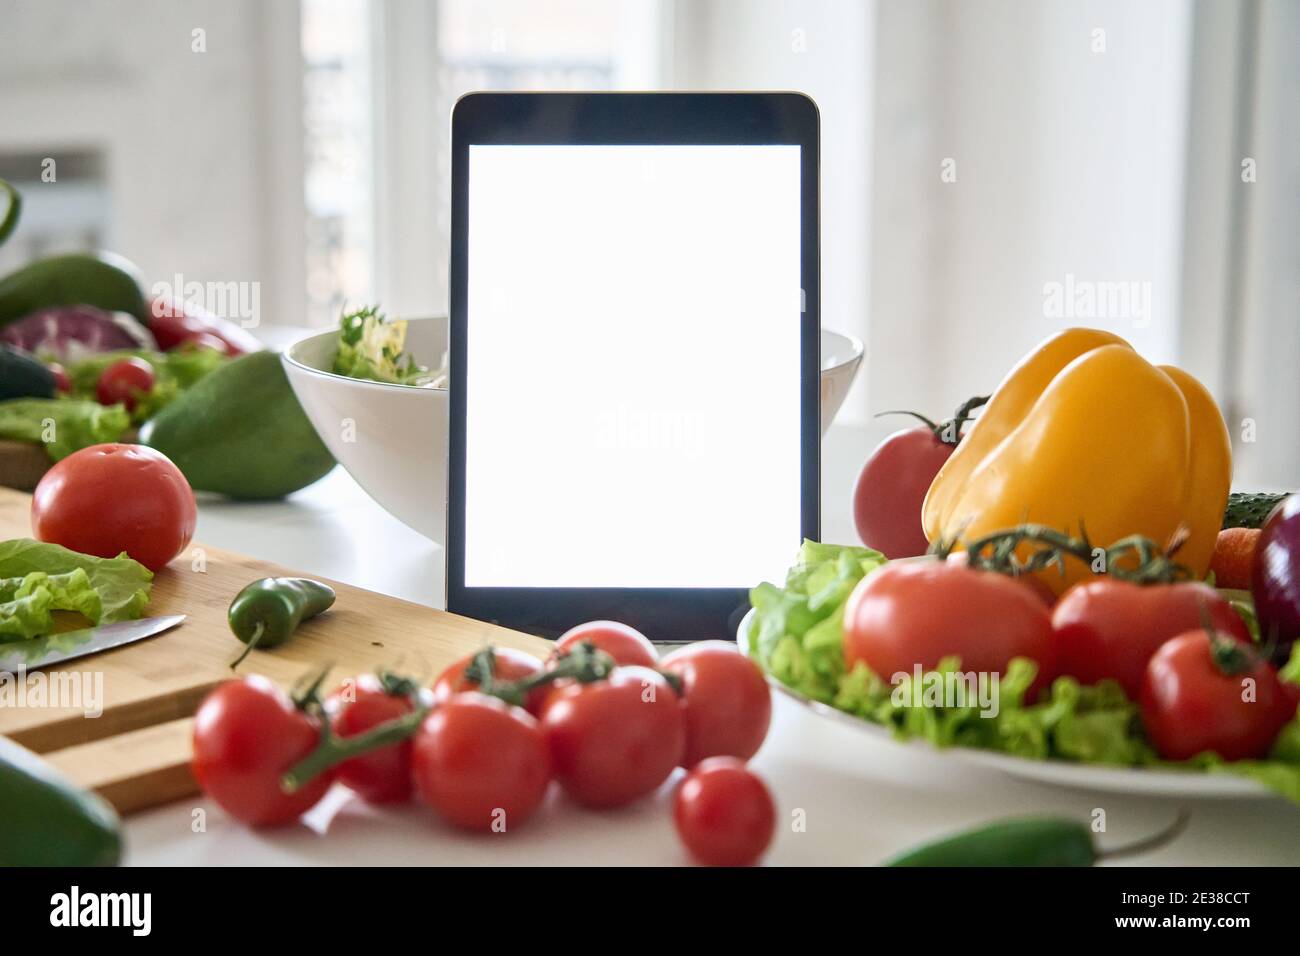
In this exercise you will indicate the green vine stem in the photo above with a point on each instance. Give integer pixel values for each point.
(997, 552)
(947, 431)
(585, 663)
(332, 749)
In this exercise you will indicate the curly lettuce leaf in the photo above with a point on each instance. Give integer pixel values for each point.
(797, 632)
(62, 425)
(373, 347)
(26, 616)
(37, 578)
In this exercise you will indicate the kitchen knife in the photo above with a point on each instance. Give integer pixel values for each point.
(16, 656)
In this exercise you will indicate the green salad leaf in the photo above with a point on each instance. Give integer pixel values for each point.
(797, 637)
(373, 347)
(174, 372)
(37, 578)
(62, 425)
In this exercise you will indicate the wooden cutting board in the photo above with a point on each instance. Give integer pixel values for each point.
(22, 464)
(136, 753)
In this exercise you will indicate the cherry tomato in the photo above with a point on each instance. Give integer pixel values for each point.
(124, 382)
(917, 613)
(511, 665)
(724, 813)
(61, 381)
(891, 488)
(1204, 693)
(1110, 628)
(107, 499)
(1292, 692)
(247, 734)
(625, 644)
(726, 700)
(384, 775)
(616, 739)
(480, 763)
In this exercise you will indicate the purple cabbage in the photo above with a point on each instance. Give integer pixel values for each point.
(71, 332)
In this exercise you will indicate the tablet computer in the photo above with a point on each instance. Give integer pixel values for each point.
(633, 356)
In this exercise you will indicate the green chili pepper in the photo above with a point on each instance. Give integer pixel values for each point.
(1042, 841)
(268, 611)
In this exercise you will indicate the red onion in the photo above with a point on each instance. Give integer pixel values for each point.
(1275, 582)
(69, 332)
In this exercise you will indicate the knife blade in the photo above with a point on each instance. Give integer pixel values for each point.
(17, 656)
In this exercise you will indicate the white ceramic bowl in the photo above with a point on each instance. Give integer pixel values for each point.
(393, 438)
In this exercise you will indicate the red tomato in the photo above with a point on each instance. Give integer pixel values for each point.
(247, 734)
(891, 488)
(617, 739)
(380, 776)
(107, 499)
(1110, 628)
(124, 382)
(625, 644)
(1215, 694)
(176, 324)
(480, 763)
(920, 612)
(61, 381)
(724, 813)
(1292, 692)
(511, 665)
(726, 700)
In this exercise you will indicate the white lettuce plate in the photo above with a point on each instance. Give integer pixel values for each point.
(1133, 781)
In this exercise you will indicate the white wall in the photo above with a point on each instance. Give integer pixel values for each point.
(1067, 162)
(822, 48)
(203, 149)
(1266, 376)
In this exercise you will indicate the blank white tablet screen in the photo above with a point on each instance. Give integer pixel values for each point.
(632, 365)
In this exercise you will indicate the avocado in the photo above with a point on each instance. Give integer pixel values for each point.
(103, 280)
(21, 376)
(240, 431)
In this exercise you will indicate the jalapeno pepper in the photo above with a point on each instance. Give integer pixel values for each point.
(268, 611)
(1033, 841)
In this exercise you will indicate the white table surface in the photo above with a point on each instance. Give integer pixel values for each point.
(861, 799)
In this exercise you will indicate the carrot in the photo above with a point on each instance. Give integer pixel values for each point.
(1234, 557)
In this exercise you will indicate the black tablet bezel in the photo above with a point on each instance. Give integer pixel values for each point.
(663, 614)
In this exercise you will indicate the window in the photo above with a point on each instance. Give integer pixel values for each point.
(338, 146)
(379, 82)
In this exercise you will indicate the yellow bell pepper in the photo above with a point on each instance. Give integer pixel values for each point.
(1085, 434)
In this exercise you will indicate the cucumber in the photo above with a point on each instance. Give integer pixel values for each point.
(13, 210)
(1250, 509)
(106, 281)
(239, 431)
(21, 376)
(47, 820)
